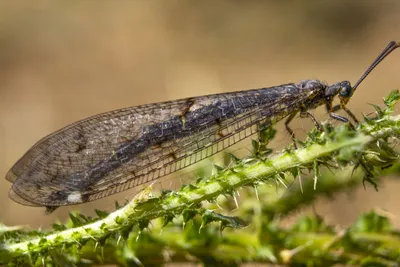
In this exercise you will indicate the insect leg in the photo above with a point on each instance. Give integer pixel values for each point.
(306, 114)
(288, 129)
(351, 115)
(333, 115)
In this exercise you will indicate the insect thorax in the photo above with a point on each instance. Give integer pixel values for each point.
(315, 91)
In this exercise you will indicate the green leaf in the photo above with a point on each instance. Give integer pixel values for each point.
(372, 222)
(392, 98)
(101, 214)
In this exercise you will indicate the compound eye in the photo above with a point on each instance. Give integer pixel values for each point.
(346, 91)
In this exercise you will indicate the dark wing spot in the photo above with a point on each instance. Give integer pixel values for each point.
(173, 155)
(79, 141)
(186, 107)
(80, 147)
(218, 122)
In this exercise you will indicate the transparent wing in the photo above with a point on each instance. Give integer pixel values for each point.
(95, 136)
(121, 149)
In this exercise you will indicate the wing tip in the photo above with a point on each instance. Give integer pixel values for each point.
(20, 200)
(11, 176)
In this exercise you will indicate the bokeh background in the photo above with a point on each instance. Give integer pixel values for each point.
(61, 61)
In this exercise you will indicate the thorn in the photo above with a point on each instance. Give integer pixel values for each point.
(216, 203)
(287, 255)
(335, 239)
(119, 239)
(236, 202)
(301, 184)
(315, 182)
(255, 189)
(291, 184)
(316, 173)
(281, 181)
(276, 186)
(77, 242)
(138, 235)
(329, 169)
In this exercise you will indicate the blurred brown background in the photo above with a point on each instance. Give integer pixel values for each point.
(61, 61)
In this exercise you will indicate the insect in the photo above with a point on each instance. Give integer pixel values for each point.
(121, 149)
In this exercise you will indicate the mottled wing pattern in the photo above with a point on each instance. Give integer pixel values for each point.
(95, 136)
(173, 135)
(177, 154)
(79, 146)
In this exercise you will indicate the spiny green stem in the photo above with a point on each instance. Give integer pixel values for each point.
(90, 231)
(207, 189)
(308, 238)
